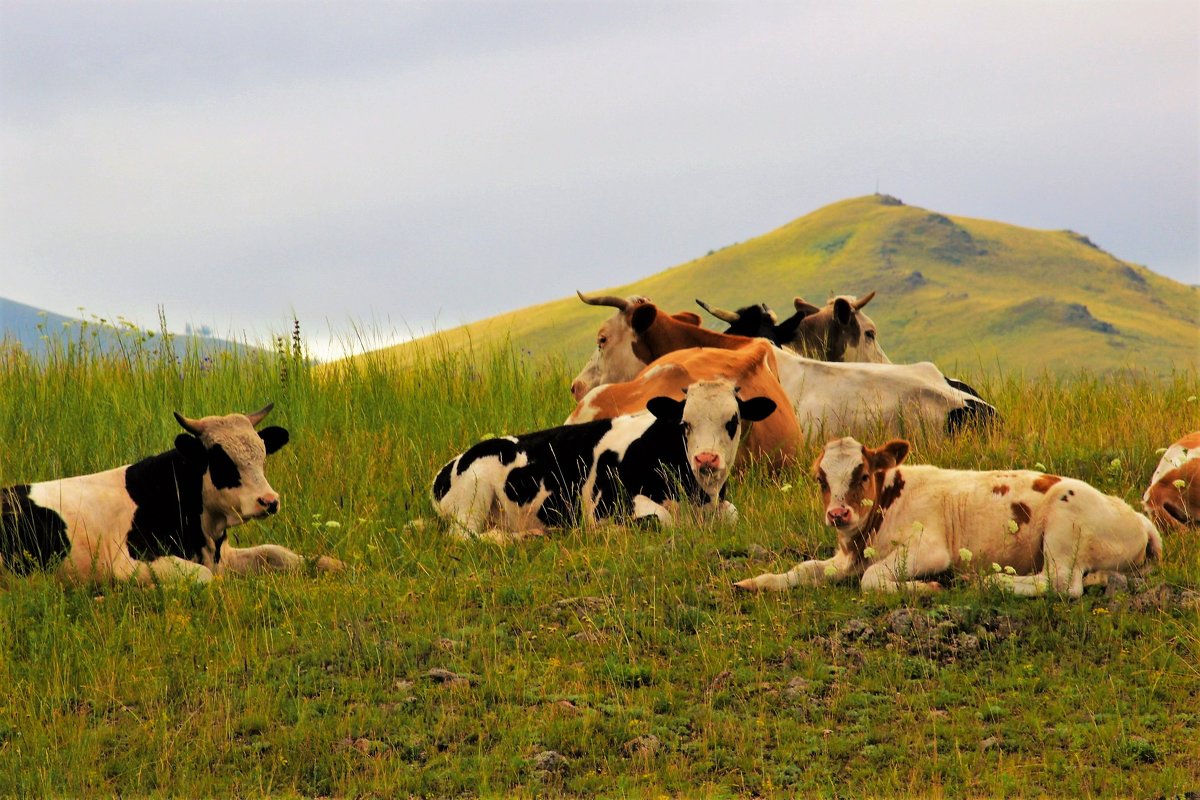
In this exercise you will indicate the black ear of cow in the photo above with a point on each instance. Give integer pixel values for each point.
(666, 409)
(274, 438)
(192, 450)
(843, 312)
(756, 408)
(643, 317)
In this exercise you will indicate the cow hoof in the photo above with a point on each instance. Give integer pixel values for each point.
(329, 564)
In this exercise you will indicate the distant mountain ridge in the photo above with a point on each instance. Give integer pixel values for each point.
(964, 293)
(34, 328)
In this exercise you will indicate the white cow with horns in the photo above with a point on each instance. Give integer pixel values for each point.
(162, 518)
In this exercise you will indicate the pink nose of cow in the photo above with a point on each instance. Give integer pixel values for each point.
(578, 390)
(838, 516)
(708, 461)
(270, 502)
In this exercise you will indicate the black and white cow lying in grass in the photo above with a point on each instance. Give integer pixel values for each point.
(897, 525)
(163, 518)
(632, 466)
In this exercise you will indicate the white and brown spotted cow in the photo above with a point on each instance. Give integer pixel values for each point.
(162, 518)
(897, 525)
(1173, 498)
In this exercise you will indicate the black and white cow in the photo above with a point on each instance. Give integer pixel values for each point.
(162, 518)
(636, 466)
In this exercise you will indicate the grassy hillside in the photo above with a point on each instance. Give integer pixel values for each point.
(605, 661)
(961, 292)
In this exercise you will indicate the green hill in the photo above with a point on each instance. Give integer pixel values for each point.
(964, 293)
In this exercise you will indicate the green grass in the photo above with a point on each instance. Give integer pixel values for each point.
(952, 290)
(623, 651)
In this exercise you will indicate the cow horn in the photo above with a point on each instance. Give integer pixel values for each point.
(192, 426)
(604, 300)
(862, 301)
(261, 414)
(719, 313)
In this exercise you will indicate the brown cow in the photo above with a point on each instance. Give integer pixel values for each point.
(1173, 499)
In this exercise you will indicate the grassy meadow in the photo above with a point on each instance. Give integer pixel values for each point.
(604, 661)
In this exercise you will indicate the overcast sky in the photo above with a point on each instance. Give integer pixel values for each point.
(404, 164)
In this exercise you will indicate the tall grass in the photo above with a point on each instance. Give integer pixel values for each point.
(622, 651)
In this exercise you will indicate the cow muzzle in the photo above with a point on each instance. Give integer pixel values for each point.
(839, 516)
(707, 464)
(269, 503)
(578, 390)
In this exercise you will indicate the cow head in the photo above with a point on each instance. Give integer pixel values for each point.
(851, 476)
(838, 332)
(235, 487)
(617, 356)
(710, 420)
(756, 321)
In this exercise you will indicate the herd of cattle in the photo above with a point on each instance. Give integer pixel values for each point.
(663, 409)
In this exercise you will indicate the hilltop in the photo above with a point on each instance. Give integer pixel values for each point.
(964, 293)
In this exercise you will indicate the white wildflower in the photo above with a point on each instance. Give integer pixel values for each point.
(869, 553)
(965, 555)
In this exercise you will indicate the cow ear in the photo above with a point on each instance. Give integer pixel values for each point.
(687, 318)
(666, 409)
(888, 456)
(643, 317)
(756, 408)
(192, 450)
(843, 312)
(804, 307)
(274, 438)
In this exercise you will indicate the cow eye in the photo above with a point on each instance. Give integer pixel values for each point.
(871, 335)
(601, 341)
(866, 477)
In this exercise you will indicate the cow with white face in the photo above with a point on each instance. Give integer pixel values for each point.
(898, 524)
(633, 467)
(162, 518)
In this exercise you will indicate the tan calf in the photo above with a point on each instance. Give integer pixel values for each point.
(899, 524)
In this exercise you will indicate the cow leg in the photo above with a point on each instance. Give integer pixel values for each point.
(644, 507)
(269, 558)
(469, 506)
(171, 569)
(899, 570)
(808, 573)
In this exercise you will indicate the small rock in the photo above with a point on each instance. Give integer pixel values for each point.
(549, 761)
(439, 675)
(989, 743)
(797, 688)
(720, 680)
(446, 644)
(757, 552)
(856, 630)
(645, 746)
(1116, 583)
(370, 747)
(591, 637)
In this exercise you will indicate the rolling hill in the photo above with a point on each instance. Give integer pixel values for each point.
(32, 328)
(965, 293)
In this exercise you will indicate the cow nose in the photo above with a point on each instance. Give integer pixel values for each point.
(708, 461)
(577, 390)
(838, 516)
(270, 502)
